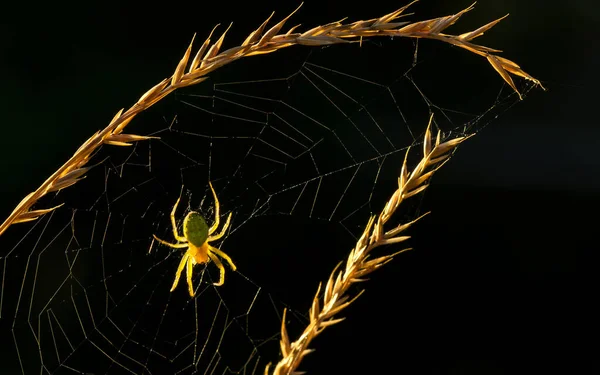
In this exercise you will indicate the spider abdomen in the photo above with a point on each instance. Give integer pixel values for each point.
(195, 229)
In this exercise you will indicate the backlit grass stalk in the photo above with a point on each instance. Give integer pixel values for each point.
(327, 306)
(191, 71)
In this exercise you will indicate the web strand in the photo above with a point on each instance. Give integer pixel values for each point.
(315, 147)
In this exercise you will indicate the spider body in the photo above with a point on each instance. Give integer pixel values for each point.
(196, 240)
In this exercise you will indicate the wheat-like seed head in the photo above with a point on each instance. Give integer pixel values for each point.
(209, 58)
(327, 305)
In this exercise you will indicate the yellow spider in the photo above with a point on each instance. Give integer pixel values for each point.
(196, 238)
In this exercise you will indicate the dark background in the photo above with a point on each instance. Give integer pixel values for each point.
(504, 278)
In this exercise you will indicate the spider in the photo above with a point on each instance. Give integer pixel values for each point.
(196, 239)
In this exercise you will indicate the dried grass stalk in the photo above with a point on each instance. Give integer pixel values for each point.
(327, 305)
(209, 57)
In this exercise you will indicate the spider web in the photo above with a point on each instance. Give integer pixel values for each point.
(301, 149)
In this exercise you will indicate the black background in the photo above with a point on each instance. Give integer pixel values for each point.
(504, 279)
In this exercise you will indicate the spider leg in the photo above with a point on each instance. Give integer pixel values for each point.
(216, 237)
(217, 216)
(173, 245)
(174, 224)
(222, 255)
(221, 269)
(184, 260)
(190, 267)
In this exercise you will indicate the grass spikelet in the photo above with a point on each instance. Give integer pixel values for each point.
(207, 59)
(335, 298)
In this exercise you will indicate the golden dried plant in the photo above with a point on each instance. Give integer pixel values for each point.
(335, 296)
(208, 58)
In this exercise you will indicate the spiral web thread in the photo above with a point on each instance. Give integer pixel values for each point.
(86, 289)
